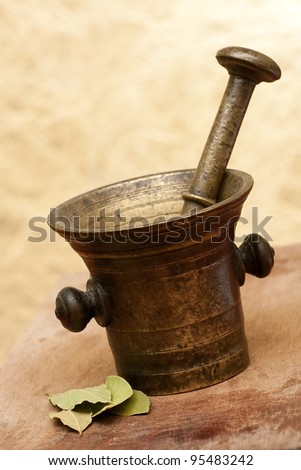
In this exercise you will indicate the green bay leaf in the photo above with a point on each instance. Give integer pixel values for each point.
(68, 400)
(120, 391)
(138, 403)
(98, 408)
(77, 420)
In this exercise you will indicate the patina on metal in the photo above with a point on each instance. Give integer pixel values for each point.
(166, 285)
(167, 292)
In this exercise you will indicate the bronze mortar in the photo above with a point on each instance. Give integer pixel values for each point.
(165, 287)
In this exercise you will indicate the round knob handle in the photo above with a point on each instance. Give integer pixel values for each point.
(75, 308)
(257, 255)
(249, 64)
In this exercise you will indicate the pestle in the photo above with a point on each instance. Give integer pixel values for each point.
(246, 68)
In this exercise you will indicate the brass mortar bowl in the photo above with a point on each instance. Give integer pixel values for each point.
(166, 287)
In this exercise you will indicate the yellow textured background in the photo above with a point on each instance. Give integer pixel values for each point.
(96, 91)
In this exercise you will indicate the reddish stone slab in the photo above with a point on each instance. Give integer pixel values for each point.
(258, 409)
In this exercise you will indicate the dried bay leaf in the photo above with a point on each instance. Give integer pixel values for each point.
(77, 420)
(120, 391)
(79, 406)
(138, 403)
(68, 400)
(98, 408)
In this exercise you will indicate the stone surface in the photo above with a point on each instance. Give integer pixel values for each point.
(258, 409)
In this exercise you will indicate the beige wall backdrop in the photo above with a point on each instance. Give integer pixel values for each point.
(96, 91)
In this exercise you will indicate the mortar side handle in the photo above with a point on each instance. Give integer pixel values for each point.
(254, 256)
(75, 308)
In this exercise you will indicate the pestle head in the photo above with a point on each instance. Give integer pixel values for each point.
(249, 64)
